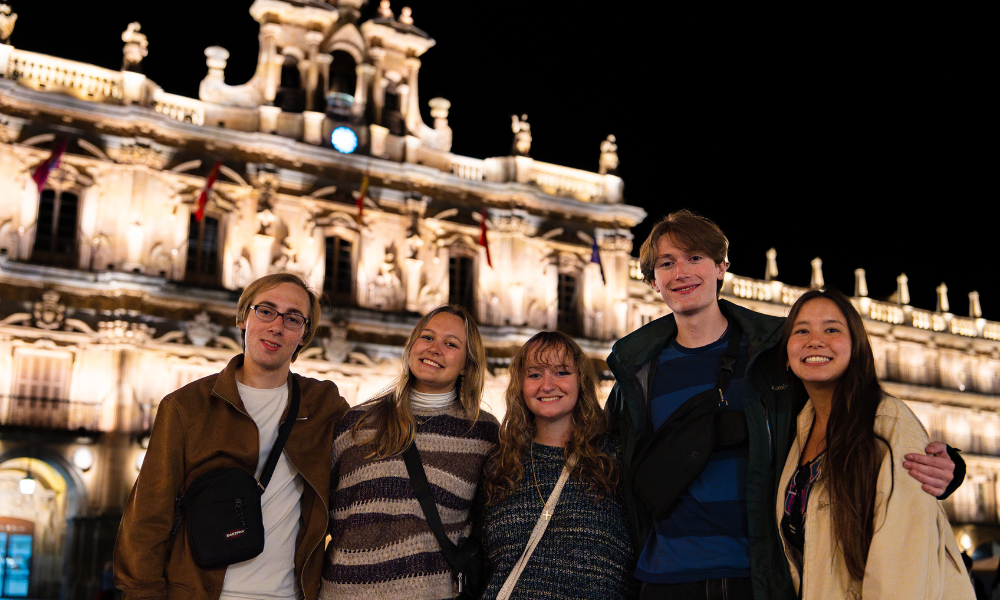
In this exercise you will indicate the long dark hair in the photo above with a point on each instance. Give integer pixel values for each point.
(505, 467)
(853, 452)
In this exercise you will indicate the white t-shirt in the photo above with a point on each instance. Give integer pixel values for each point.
(271, 574)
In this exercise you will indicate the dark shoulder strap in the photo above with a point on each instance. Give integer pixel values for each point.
(283, 431)
(422, 490)
(729, 357)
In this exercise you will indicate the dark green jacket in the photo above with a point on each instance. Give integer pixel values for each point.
(770, 413)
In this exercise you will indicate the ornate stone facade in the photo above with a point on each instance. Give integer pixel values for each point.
(113, 293)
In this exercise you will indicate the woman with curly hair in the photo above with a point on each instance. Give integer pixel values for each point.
(381, 545)
(852, 523)
(554, 421)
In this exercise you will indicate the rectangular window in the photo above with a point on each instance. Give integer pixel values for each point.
(55, 229)
(460, 282)
(567, 321)
(338, 280)
(203, 252)
(42, 375)
(40, 392)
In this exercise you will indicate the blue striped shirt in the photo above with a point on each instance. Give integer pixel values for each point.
(705, 536)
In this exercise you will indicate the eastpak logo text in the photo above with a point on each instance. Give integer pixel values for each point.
(235, 533)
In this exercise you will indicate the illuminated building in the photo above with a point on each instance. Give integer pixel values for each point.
(113, 293)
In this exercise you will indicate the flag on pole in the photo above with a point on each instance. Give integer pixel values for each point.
(44, 168)
(595, 257)
(482, 239)
(203, 197)
(361, 197)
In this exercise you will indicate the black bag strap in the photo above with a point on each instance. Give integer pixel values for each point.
(422, 490)
(728, 359)
(279, 444)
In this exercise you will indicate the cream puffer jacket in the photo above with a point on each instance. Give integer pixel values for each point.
(913, 553)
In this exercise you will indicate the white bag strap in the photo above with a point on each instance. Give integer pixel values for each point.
(536, 533)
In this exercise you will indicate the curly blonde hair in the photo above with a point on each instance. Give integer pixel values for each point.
(505, 467)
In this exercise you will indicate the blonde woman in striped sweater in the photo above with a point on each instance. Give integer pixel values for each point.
(381, 545)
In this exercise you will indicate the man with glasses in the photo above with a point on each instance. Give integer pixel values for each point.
(231, 419)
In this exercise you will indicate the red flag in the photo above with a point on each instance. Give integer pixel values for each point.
(361, 197)
(482, 239)
(203, 198)
(41, 172)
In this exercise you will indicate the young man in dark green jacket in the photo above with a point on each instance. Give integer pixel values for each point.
(718, 537)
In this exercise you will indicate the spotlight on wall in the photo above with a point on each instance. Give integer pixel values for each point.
(83, 458)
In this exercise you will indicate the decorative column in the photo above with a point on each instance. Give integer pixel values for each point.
(413, 268)
(260, 260)
(313, 39)
(268, 62)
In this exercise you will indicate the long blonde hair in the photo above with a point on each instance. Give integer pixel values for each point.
(505, 468)
(391, 416)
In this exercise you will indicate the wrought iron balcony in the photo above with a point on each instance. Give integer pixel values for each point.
(49, 413)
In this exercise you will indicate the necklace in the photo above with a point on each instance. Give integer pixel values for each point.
(531, 451)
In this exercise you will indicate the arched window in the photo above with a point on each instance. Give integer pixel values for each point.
(290, 96)
(56, 229)
(343, 73)
(202, 267)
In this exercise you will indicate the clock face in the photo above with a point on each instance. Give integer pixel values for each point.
(344, 140)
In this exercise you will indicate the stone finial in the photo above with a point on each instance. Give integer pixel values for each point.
(609, 157)
(860, 283)
(522, 135)
(816, 281)
(942, 298)
(7, 20)
(136, 47)
(902, 295)
(771, 271)
(384, 11)
(439, 110)
(406, 16)
(975, 310)
(216, 58)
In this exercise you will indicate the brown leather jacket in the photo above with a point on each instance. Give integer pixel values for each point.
(204, 426)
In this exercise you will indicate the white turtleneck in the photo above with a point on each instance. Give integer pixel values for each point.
(431, 402)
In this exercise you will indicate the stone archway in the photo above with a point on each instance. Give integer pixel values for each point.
(36, 525)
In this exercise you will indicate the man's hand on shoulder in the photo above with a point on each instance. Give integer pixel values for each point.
(935, 470)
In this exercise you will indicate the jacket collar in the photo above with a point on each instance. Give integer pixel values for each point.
(646, 343)
(225, 388)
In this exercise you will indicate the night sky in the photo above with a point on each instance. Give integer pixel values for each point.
(864, 139)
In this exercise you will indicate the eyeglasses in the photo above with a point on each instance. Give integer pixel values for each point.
(267, 314)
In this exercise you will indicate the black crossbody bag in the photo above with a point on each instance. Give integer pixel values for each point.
(222, 507)
(681, 446)
(466, 560)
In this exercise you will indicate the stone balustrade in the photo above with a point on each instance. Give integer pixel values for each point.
(468, 168)
(179, 108)
(49, 73)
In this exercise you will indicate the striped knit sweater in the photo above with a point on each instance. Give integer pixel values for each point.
(381, 546)
(586, 551)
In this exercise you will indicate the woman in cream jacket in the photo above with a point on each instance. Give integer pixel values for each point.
(852, 523)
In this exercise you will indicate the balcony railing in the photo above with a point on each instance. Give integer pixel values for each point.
(50, 413)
